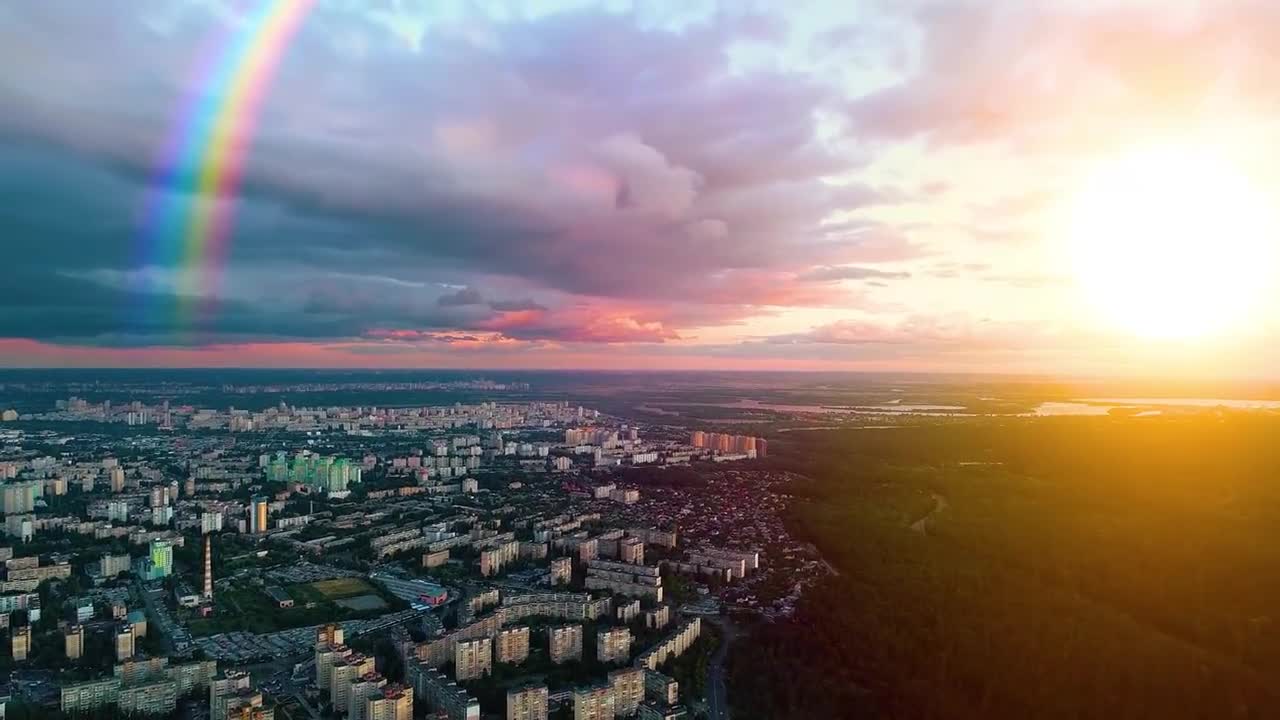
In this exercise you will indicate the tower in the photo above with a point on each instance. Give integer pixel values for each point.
(208, 567)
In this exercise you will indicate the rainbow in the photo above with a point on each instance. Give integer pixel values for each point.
(189, 218)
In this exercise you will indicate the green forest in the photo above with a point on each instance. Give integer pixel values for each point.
(1014, 567)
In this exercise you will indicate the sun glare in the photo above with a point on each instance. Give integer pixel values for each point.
(1172, 242)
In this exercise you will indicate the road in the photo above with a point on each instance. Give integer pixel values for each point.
(939, 504)
(717, 688)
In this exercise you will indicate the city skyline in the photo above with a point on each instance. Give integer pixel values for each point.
(887, 186)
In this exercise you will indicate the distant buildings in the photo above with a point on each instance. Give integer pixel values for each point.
(625, 579)
(110, 566)
(158, 563)
(149, 687)
(20, 497)
(493, 559)
(723, 443)
(330, 475)
(210, 522)
(257, 512)
(631, 550)
(441, 694)
(673, 645)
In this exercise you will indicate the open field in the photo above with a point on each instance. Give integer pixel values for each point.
(362, 603)
(340, 588)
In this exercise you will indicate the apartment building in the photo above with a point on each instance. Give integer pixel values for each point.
(528, 702)
(564, 643)
(512, 645)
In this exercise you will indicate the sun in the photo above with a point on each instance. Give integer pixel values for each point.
(1172, 242)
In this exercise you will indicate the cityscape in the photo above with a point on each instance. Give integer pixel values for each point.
(639, 359)
(493, 559)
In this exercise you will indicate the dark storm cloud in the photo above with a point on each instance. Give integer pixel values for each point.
(583, 156)
(465, 296)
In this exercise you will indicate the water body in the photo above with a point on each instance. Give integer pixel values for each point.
(896, 407)
(1142, 406)
(1192, 402)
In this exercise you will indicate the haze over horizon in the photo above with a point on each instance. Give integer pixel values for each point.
(885, 186)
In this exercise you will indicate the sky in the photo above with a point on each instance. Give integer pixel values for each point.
(861, 185)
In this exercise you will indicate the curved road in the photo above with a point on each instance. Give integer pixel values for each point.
(939, 504)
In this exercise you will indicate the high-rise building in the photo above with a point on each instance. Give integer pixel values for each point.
(631, 550)
(660, 687)
(473, 658)
(627, 686)
(110, 566)
(593, 703)
(625, 578)
(345, 670)
(19, 497)
(74, 642)
(613, 645)
(124, 642)
(362, 689)
(441, 694)
(210, 522)
(565, 643)
(561, 571)
(258, 515)
(512, 645)
(328, 648)
(673, 645)
(20, 643)
(528, 702)
(394, 702)
(223, 688)
(159, 561)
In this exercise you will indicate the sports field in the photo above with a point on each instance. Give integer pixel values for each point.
(339, 588)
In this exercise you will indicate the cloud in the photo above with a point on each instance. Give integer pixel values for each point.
(1048, 72)
(465, 296)
(832, 273)
(516, 305)
(586, 159)
(955, 328)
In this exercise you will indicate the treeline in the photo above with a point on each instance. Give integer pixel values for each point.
(1083, 568)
